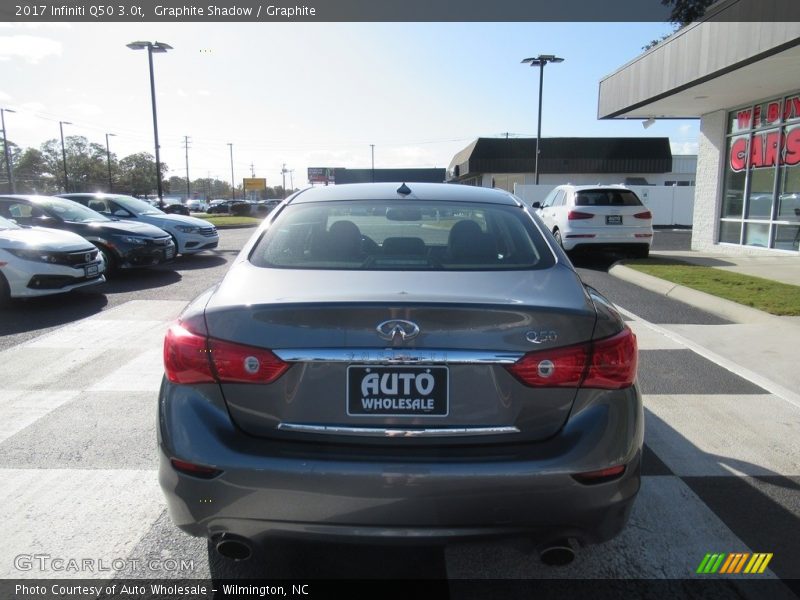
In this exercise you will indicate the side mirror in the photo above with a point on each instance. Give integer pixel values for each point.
(537, 205)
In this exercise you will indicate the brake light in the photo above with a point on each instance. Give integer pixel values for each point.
(613, 363)
(235, 363)
(186, 357)
(575, 215)
(562, 367)
(192, 358)
(644, 215)
(608, 364)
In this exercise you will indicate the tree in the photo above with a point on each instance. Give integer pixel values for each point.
(32, 175)
(87, 167)
(683, 12)
(176, 185)
(138, 174)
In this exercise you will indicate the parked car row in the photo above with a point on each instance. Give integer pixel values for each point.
(51, 244)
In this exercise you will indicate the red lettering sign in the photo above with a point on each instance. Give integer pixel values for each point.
(743, 119)
(764, 151)
(773, 112)
(792, 147)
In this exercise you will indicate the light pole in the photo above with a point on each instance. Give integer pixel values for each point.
(188, 182)
(64, 153)
(108, 155)
(233, 185)
(372, 148)
(540, 61)
(283, 175)
(153, 47)
(11, 184)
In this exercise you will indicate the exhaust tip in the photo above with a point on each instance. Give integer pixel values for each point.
(234, 549)
(557, 554)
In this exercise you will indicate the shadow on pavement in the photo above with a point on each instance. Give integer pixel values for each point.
(198, 261)
(50, 311)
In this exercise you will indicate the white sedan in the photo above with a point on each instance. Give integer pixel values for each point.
(35, 261)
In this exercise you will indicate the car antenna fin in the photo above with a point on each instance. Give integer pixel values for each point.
(404, 190)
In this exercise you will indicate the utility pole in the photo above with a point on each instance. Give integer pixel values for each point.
(252, 170)
(283, 175)
(12, 186)
(372, 148)
(108, 157)
(291, 179)
(233, 185)
(188, 184)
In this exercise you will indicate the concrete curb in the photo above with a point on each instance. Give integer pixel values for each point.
(732, 311)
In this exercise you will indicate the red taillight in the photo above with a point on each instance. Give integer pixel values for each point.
(574, 215)
(192, 358)
(201, 471)
(605, 364)
(613, 362)
(644, 215)
(186, 357)
(562, 367)
(244, 364)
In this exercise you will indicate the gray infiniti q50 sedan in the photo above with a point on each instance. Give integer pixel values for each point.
(395, 362)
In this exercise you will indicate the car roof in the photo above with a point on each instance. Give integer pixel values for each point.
(419, 191)
(30, 197)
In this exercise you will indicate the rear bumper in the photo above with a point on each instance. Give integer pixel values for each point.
(633, 236)
(270, 488)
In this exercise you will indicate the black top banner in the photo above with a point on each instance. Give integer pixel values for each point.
(32, 11)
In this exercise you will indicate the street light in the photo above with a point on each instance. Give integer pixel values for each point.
(108, 154)
(64, 153)
(153, 47)
(233, 185)
(11, 184)
(540, 61)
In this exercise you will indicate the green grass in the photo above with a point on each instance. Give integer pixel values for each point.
(770, 296)
(229, 220)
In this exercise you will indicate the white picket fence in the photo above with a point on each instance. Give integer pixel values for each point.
(670, 205)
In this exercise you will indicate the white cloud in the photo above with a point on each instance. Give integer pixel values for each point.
(86, 109)
(4, 96)
(28, 47)
(683, 147)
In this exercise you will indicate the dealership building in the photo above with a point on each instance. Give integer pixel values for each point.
(738, 71)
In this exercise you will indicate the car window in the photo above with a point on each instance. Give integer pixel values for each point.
(72, 211)
(402, 235)
(606, 198)
(548, 201)
(137, 206)
(6, 224)
(559, 199)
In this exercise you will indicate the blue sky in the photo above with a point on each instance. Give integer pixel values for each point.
(315, 94)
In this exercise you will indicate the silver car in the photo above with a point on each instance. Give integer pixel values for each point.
(395, 362)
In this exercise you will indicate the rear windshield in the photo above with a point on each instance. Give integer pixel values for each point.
(402, 235)
(607, 198)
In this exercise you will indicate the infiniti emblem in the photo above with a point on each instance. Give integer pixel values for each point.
(388, 330)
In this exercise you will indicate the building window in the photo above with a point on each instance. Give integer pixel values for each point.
(761, 186)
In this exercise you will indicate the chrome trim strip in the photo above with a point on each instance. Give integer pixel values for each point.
(392, 356)
(396, 432)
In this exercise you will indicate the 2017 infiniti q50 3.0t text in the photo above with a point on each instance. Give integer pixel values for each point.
(392, 361)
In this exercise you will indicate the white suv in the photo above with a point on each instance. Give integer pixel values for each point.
(608, 216)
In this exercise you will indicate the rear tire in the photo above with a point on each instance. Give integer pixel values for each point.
(642, 252)
(559, 241)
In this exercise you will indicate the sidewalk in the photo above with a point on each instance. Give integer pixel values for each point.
(761, 344)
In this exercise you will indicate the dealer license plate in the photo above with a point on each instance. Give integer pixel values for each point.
(92, 270)
(381, 391)
(613, 219)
